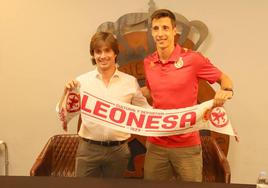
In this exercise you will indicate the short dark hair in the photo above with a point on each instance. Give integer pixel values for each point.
(103, 37)
(161, 13)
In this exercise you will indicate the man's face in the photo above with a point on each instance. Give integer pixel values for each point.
(104, 57)
(163, 33)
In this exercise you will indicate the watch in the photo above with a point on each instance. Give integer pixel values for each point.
(229, 89)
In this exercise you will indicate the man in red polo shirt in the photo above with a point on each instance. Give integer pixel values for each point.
(172, 75)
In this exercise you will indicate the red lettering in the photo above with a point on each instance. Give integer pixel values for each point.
(138, 122)
(150, 121)
(99, 108)
(171, 122)
(188, 118)
(122, 115)
(84, 103)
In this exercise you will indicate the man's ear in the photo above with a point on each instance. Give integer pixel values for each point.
(175, 30)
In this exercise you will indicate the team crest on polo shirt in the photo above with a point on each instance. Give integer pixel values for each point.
(179, 64)
(152, 64)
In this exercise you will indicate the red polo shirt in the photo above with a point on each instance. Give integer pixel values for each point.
(174, 85)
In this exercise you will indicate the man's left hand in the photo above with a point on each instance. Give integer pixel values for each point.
(222, 96)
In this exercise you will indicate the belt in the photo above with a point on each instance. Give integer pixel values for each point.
(105, 143)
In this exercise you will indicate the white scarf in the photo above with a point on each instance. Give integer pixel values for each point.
(146, 122)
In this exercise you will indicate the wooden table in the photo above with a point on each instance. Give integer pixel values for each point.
(63, 182)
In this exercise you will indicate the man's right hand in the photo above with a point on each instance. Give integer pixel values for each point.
(146, 93)
(73, 84)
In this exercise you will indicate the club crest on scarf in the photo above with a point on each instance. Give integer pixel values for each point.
(218, 117)
(73, 102)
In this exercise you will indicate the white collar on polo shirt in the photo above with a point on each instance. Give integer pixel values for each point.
(98, 75)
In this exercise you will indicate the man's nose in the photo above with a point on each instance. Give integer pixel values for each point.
(160, 32)
(102, 55)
